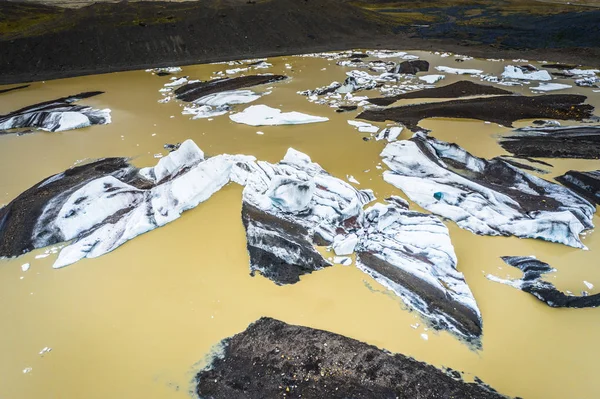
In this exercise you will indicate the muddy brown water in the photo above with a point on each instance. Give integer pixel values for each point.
(136, 322)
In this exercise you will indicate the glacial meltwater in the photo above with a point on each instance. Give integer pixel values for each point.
(275, 187)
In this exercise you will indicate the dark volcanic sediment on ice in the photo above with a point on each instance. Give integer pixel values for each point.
(55, 115)
(193, 91)
(586, 184)
(555, 142)
(274, 359)
(464, 88)
(503, 110)
(532, 283)
(19, 218)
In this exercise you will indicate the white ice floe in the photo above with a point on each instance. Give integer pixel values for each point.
(459, 71)
(550, 87)
(364, 127)
(425, 336)
(57, 119)
(219, 103)
(588, 284)
(513, 72)
(516, 203)
(352, 179)
(342, 260)
(389, 133)
(27, 370)
(288, 209)
(203, 111)
(165, 70)
(183, 179)
(25, 267)
(393, 235)
(583, 72)
(263, 115)
(235, 70)
(177, 82)
(590, 81)
(344, 245)
(431, 79)
(45, 350)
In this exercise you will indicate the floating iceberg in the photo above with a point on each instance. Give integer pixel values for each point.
(263, 115)
(532, 283)
(513, 72)
(459, 71)
(56, 115)
(485, 197)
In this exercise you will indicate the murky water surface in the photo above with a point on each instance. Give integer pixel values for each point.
(134, 323)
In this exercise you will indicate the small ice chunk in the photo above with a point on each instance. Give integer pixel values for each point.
(364, 127)
(177, 82)
(513, 72)
(415, 326)
(45, 350)
(25, 267)
(40, 256)
(259, 132)
(425, 336)
(351, 179)
(431, 79)
(263, 115)
(551, 87)
(344, 245)
(588, 284)
(342, 260)
(459, 71)
(27, 370)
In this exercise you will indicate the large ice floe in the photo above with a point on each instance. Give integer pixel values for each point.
(289, 209)
(217, 96)
(55, 115)
(532, 283)
(487, 197)
(525, 73)
(263, 115)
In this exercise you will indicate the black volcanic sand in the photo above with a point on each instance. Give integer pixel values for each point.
(569, 142)
(39, 42)
(503, 110)
(193, 91)
(587, 184)
(274, 359)
(464, 88)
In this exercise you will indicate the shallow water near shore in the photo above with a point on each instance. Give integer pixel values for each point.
(135, 322)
